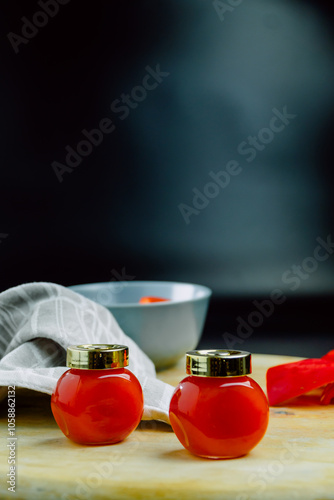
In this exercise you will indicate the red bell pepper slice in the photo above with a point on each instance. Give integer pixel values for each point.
(329, 356)
(327, 395)
(290, 380)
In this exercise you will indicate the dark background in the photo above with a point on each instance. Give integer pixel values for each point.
(118, 210)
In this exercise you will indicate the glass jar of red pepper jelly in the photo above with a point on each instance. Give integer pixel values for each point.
(98, 401)
(217, 411)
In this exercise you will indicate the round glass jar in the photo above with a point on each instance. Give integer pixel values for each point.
(97, 401)
(218, 411)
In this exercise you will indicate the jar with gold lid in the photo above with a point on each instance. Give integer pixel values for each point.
(97, 401)
(218, 411)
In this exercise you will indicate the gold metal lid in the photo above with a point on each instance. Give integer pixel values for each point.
(218, 363)
(97, 356)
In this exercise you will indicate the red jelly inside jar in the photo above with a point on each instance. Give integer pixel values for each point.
(218, 411)
(98, 401)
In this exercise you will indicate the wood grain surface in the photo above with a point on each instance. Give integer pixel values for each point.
(295, 459)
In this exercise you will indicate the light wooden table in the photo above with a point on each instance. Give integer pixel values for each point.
(295, 459)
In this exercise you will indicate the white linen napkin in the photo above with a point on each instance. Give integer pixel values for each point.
(38, 321)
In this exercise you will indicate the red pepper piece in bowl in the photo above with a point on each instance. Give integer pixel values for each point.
(150, 300)
(290, 380)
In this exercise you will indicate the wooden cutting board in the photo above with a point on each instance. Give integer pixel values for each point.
(295, 459)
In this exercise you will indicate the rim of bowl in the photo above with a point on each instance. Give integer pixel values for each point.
(207, 292)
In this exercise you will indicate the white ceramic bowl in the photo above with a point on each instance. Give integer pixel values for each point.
(164, 330)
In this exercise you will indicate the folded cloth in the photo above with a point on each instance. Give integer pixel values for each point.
(38, 321)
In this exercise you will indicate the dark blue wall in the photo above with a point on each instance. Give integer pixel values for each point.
(128, 207)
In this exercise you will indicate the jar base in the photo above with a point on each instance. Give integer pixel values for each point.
(107, 443)
(211, 457)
